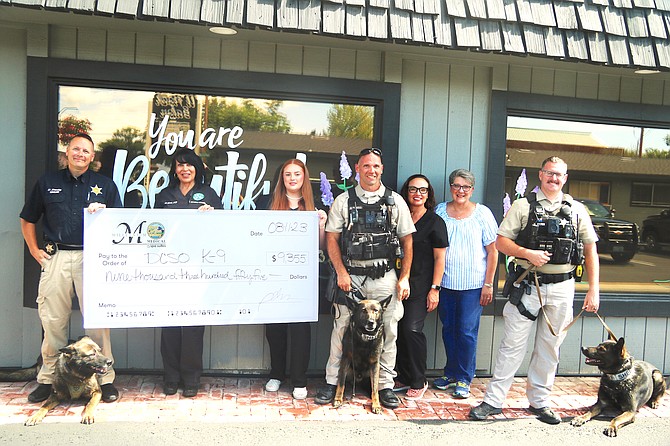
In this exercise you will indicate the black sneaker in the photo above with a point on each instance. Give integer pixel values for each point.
(170, 388)
(389, 399)
(109, 393)
(545, 415)
(40, 394)
(190, 391)
(482, 411)
(325, 395)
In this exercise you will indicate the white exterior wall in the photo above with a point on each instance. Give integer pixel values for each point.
(445, 107)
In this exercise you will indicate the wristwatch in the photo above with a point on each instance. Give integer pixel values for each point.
(436, 287)
(488, 285)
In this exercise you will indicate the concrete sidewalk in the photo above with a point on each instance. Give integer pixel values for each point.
(241, 399)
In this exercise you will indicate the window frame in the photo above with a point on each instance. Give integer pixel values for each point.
(46, 75)
(504, 104)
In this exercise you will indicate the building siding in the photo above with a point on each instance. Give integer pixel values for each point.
(445, 107)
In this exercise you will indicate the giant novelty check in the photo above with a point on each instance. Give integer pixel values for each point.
(160, 267)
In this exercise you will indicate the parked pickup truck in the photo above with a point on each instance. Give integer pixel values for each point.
(656, 231)
(619, 238)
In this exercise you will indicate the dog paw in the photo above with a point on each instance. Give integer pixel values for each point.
(654, 404)
(337, 403)
(610, 431)
(578, 421)
(377, 409)
(87, 419)
(32, 421)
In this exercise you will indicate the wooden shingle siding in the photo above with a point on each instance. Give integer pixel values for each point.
(213, 11)
(663, 51)
(543, 13)
(467, 32)
(287, 14)
(431, 6)
(235, 11)
(378, 23)
(534, 39)
(127, 7)
(477, 8)
(333, 18)
(491, 36)
(512, 41)
(155, 8)
(106, 6)
(614, 21)
(636, 20)
(618, 50)
(566, 17)
(554, 43)
(644, 3)
(656, 25)
(642, 52)
(622, 3)
(597, 47)
(495, 9)
(663, 5)
(510, 11)
(407, 5)
(25, 2)
(356, 21)
(576, 42)
(401, 24)
(186, 10)
(601, 2)
(589, 17)
(456, 8)
(380, 3)
(56, 3)
(309, 15)
(443, 28)
(260, 12)
(525, 11)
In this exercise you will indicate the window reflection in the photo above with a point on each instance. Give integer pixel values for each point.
(621, 173)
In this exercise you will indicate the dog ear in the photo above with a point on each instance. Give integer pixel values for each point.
(68, 350)
(385, 303)
(621, 347)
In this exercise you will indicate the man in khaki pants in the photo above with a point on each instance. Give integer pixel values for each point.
(60, 199)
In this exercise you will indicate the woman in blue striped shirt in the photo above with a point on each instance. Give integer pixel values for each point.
(467, 284)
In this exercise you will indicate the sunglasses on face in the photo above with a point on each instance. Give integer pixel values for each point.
(417, 190)
(373, 150)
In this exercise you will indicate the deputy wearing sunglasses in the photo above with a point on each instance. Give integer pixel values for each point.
(368, 226)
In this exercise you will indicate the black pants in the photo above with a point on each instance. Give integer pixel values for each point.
(277, 336)
(181, 348)
(411, 343)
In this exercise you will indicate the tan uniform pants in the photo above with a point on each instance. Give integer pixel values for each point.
(61, 280)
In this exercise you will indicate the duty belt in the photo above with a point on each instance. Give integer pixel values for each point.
(554, 278)
(373, 271)
(54, 247)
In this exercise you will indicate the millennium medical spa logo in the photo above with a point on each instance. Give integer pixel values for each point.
(150, 235)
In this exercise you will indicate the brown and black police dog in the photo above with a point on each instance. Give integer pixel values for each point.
(75, 377)
(626, 384)
(362, 347)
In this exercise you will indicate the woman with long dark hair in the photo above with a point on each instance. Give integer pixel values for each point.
(181, 347)
(429, 244)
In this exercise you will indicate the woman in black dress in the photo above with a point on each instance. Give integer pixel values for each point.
(429, 247)
(181, 347)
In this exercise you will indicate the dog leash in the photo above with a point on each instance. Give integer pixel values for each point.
(546, 318)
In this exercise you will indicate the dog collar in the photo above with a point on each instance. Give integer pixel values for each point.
(620, 376)
(367, 337)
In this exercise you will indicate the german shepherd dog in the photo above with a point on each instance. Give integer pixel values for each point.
(362, 347)
(626, 384)
(75, 377)
(19, 375)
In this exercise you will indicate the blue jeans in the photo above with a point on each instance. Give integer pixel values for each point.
(459, 312)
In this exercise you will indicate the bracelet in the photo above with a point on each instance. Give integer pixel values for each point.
(488, 285)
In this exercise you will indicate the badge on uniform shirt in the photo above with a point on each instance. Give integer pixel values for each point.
(97, 190)
(198, 196)
(51, 248)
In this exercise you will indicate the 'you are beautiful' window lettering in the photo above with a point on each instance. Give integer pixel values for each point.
(235, 194)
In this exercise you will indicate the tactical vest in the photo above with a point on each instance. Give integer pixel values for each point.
(369, 233)
(554, 233)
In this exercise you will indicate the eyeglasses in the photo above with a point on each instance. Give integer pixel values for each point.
(374, 150)
(463, 187)
(550, 173)
(420, 190)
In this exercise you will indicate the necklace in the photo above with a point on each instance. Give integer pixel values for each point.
(294, 198)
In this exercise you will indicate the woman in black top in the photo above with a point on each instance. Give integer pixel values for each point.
(181, 347)
(293, 191)
(429, 246)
